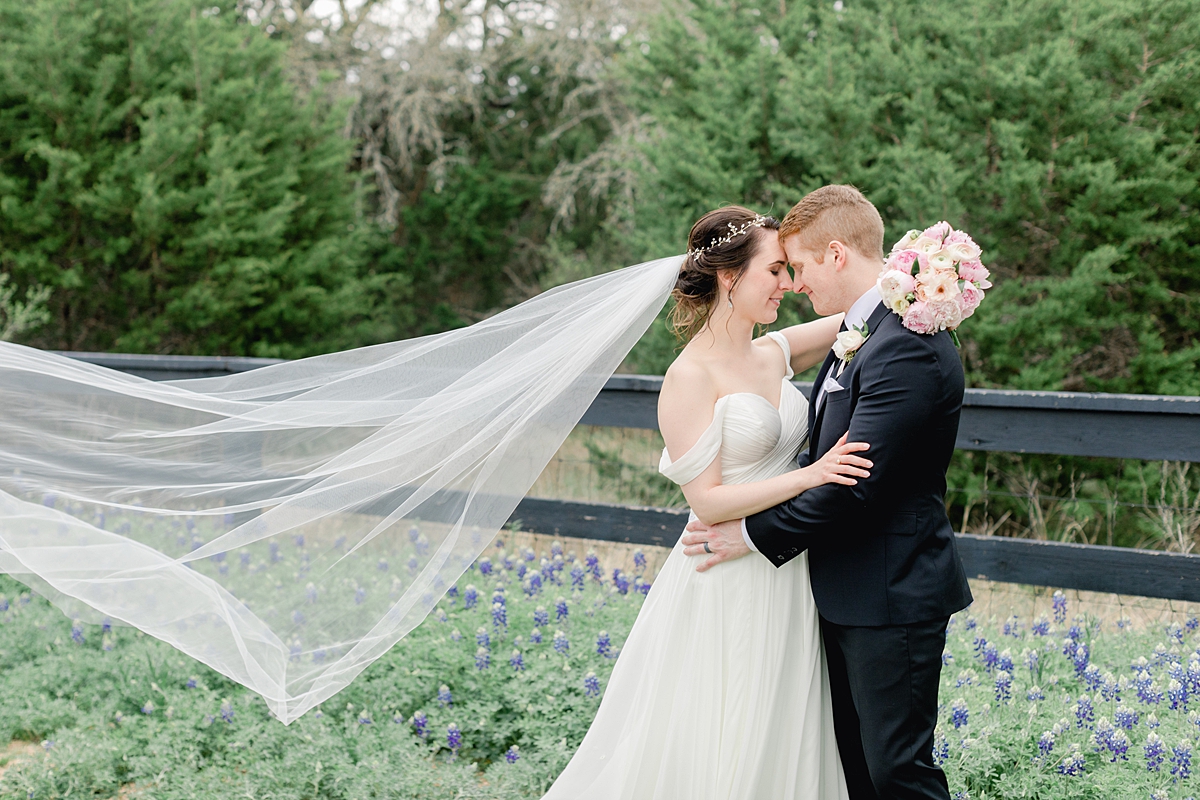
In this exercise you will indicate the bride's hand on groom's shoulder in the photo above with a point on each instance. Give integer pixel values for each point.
(724, 542)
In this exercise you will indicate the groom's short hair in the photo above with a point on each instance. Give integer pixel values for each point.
(836, 212)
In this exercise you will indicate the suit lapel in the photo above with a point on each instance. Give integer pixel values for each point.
(813, 417)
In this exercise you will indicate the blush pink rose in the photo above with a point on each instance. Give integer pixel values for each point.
(938, 232)
(902, 260)
(974, 272)
(919, 318)
(937, 285)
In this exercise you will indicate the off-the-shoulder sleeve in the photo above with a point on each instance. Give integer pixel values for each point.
(782, 341)
(688, 466)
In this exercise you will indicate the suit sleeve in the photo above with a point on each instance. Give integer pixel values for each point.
(900, 389)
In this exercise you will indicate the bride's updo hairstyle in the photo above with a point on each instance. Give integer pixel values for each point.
(722, 240)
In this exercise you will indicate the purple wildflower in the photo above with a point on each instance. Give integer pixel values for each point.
(561, 611)
(77, 633)
(1154, 752)
(470, 597)
(310, 592)
(1084, 711)
(1181, 762)
(1035, 694)
(499, 615)
(1031, 661)
(1177, 694)
(453, 737)
(1012, 627)
(1059, 601)
(561, 643)
(1003, 686)
(947, 658)
(1073, 763)
(227, 711)
(191, 683)
(639, 560)
(535, 637)
(603, 645)
(593, 564)
(959, 713)
(591, 685)
(483, 659)
(517, 661)
(1192, 624)
(1092, 677)
(364, 718)
(511, 755)
(420, 724)
(482, 639)
(1118, 745)
(1046, 743)
(941, 749)
(1040, 627)
(622, 582)
(540, 617)
(1125, 718)
(1175, 632)
(105, 624)
(577, 576)
(147, 708)
(444, 697)
(485, 566)
(360, 594)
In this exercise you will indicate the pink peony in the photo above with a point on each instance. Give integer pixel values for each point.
(902, 260)
(974, 272)
(971, 297)
(946, 315)
(919, 318)
(937, 285)
(938, 232)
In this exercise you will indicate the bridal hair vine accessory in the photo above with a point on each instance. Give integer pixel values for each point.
(934, 279)
(734, 232)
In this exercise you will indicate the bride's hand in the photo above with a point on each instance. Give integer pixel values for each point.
(840, 465)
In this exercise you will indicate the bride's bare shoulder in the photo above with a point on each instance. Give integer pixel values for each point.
(687, 387)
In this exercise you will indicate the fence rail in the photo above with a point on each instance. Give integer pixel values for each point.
(1056, 423)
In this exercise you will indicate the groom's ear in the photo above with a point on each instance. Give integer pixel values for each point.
(837, 251)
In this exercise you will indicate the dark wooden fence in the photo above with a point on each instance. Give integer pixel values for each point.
(1059, 423)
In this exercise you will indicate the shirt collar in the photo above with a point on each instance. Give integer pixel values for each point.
(862, 308)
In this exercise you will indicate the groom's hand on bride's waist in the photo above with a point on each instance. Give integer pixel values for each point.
(724, 542)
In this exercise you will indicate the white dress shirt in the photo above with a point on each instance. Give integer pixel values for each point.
(858, 314)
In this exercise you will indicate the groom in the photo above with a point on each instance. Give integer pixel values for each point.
(884, 569)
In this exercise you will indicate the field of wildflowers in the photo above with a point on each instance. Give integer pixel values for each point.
(488, 698)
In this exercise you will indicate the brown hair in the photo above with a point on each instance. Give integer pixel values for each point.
(836, 212)
(696, 288)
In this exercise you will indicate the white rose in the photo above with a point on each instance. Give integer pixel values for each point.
(962, 251)
(847, 342)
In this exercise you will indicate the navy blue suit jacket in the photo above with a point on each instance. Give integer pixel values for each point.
(881, 552)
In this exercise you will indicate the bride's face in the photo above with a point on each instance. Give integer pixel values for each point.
(764, 283)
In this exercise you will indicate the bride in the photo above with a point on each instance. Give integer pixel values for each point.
(721, 689)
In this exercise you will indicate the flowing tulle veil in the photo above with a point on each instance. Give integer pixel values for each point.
(286, 526)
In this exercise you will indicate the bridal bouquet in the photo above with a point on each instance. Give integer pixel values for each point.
(934, 279)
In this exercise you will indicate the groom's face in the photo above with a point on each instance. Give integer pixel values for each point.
(817, 279)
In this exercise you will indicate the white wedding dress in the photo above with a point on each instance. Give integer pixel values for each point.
(721, 690)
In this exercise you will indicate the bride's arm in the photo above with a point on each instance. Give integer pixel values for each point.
(685, 410)
(810, 341)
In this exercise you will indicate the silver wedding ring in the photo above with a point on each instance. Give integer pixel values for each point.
(707, 549)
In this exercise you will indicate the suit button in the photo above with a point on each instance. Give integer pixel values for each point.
(780, 558)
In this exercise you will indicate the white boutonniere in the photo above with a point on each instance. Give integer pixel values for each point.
(848, 342)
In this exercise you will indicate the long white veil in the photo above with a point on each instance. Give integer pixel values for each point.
(286, 526)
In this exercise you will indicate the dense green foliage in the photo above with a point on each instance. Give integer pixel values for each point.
(161, 174)
(1063, 136)
(117, 710)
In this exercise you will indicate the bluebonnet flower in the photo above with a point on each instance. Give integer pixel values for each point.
(965, 678)
(947, 658)
(1148, 690)
(517, 661)
(556, 549)
(453, 737)
(941, 749)
(1031, 661)
(452, 593)
(603, 645)
(244, 558)
(560, 610)
(483, 659)
(591, 685)
(397, 718)
(1012, 627)
(960, 715)
(48, 744)
(990, 656)
(3, 603)
(1161, 655)
(1152, 720)
(1003, 686)
(444, 697)
(191, 683)
(971, 623)
(485, 566)
(521, 569)
(577, 576)
(621, 581)
(413, 565)
(1093, 677)
(455, 635)
(420, 724)
(643, 587)
(1192, 624)
(533, 584)
(1177, 694)
(298, 617)
(561, 643)
(360, 594)
(1073, 763)
(318, 656)
(1046, 743)
(1193, 674)
(482, 638)
(227, 711)
(1035, 694)
(148, 707)
(1181, 762)
(364, 718)
(540, 617)
(1084, 711)
(639, 560)
(1125, 718)
(511, 755)
(593, 564)
(77, 633)
(1004, 661)
(535, 637)
(1059, 602)
(1154, 752)
(1040, 627)
(299, 540)
(1175, 632)
(1081, 657)
(1159, 795)
(470, 597)
(119, 718)
(499, 615)
(1110, 687)
(414, 533)
(1124, 624)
